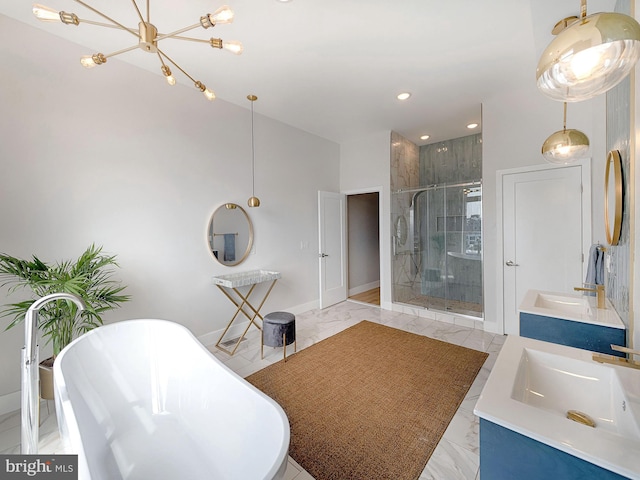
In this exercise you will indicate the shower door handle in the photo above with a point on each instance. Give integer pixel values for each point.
(511, 264)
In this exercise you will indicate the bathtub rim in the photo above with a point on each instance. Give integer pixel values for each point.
(66, 417)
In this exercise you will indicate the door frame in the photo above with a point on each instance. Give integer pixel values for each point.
(384, 281)
(586, 223)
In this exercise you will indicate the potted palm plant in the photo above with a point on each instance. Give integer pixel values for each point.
(90, 277)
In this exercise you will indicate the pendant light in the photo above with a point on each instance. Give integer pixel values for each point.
(253, 200)
(565, 146)
(590, 56)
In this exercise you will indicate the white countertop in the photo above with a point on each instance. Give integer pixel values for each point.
(242, 279)
(606, 317)
(496, 404)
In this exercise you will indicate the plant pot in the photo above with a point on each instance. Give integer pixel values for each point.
(46, 379)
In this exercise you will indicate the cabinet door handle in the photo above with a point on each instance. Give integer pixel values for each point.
(511, 264)
(322, 255)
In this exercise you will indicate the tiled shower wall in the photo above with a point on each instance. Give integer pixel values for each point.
(404, 175)
(452, 161)
(618, 138)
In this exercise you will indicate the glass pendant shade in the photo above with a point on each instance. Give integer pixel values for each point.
(565, 146)
(589, 57)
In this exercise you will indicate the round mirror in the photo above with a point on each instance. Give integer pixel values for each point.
(230, 234)
(401, 230)
(613, 197)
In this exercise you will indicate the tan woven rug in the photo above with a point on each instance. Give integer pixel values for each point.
(371, 402)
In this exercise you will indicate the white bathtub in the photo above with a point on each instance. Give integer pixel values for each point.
(143, 399)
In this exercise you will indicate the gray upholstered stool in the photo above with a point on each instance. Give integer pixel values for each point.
(278, 330)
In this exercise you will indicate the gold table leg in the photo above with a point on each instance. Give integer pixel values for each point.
(240, 309)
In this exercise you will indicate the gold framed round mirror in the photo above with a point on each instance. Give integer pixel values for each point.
(230, 234)
(613, 197)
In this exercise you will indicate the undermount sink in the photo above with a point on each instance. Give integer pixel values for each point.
(570, 306)
(564, 303)
(558, 384)
(534, 385)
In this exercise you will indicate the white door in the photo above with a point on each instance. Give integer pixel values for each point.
(542, 235)
(332, 257)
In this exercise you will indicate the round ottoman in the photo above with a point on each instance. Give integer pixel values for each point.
(278, 330)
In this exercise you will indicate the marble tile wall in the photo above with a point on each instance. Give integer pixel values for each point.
(404, 175)
(452, 161)
(618, 275)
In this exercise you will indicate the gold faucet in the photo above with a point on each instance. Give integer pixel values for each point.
(600, 293)
(625, 362)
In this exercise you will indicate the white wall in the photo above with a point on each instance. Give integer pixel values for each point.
(115, 156)
(365, 165)
(514, 126)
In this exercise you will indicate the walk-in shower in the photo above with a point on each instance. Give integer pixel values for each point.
(437, 247)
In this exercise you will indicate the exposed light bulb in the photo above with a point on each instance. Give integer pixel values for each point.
(209, 95)
(222, 15)
(87, 61)
(167, 75)
(233, 46)
(90, 61)
(46, 14)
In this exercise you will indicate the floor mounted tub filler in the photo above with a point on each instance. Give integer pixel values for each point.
(144, 399)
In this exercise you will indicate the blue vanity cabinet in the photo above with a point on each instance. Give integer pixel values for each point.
(588, 336)
(507, 455)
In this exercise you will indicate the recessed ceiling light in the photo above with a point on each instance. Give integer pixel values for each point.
(403, 96)
(424, 137)
(471, 126)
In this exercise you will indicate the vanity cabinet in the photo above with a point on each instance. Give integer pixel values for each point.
(505, 455)
(588, 336)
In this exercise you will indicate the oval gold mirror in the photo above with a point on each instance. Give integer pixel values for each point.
(230, 234)
(613, 197)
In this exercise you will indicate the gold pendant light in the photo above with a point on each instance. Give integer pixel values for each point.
(589, 55)
(565, 146)
(253, 200)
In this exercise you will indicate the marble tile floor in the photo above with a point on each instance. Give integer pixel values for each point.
(455, 457)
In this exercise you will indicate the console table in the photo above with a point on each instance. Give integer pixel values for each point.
(230, 284)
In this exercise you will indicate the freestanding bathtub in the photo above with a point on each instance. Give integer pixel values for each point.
(143, 399)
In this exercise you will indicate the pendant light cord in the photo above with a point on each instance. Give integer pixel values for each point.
(583, 9)
(564, 122)
(253, 157)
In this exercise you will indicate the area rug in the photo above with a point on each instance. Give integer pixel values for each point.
(371, 402)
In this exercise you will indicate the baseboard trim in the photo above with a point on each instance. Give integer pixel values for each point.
(10, 402)
(364, 288)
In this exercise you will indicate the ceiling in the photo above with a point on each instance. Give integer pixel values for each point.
(334, 67)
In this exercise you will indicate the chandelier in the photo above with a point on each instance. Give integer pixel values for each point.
(148, 37)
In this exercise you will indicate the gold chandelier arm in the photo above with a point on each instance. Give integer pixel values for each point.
(168, 59)
(124, 50)
(105, 17)
(177, 32)
(135, 5)
(108, 25)
(191, 39)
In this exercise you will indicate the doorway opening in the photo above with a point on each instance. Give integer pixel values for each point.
(363, 247)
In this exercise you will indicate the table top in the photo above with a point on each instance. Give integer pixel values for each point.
(242, 279)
